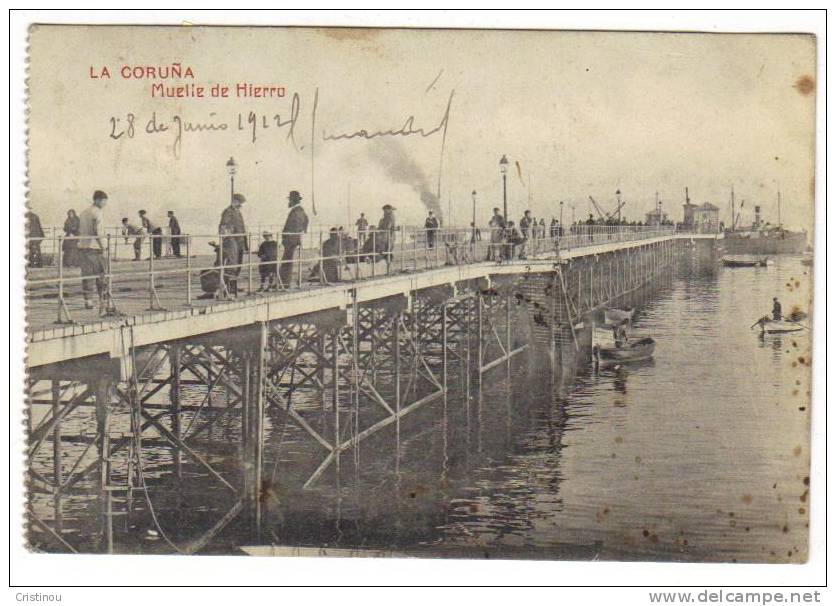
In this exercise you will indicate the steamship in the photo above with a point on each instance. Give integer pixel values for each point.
(763, 238)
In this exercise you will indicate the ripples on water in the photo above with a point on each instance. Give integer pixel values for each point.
(701, 454)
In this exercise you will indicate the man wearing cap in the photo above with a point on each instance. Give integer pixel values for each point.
(295, 225)
(174, 231)
(90, 248)
(386, 233)
(232, 222)
(154, 232)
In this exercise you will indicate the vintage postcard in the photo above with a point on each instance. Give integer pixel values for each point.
(419, 293)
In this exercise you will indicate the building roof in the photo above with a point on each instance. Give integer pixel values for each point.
(709, 206)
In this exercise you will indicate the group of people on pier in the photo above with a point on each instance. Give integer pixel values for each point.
(278, 273)
(130, 231)
(234, 242)
(84, 244)
(148, 228)
(516, 241)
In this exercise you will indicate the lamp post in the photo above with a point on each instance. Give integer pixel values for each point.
(231, 168)
(561, 213)
(503, 169)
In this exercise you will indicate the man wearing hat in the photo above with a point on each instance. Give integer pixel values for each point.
(90, 249)
(232, 222)
(295, 225)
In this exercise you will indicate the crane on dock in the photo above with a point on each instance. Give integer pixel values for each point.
(604, 215)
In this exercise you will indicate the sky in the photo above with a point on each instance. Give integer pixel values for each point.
(577, 114)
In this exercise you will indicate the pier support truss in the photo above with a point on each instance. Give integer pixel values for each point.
(240, 416)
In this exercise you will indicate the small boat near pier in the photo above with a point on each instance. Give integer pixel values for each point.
(745, 261)
(610, 355)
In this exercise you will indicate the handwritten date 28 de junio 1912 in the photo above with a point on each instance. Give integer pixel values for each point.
(130, 126)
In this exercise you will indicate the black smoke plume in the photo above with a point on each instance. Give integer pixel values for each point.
(400, 167)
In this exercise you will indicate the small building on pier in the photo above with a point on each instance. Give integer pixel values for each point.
(702, 218)
(656, 217)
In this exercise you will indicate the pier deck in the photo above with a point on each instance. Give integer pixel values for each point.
(342, 361)
(138, 324)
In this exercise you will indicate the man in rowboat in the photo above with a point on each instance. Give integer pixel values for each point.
(619, 333)
(776, 309)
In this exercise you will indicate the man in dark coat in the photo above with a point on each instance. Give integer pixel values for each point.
(431, 224)
(174, 230)
(295, 225)
(232, 222)
(36, 232)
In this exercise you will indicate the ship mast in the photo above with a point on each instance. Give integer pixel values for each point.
(779, 208)
(732, 208)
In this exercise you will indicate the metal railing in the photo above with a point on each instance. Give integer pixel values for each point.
(225, 266)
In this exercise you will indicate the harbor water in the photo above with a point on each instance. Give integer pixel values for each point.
(700, 454)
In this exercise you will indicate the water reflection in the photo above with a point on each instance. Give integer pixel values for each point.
(687, 456)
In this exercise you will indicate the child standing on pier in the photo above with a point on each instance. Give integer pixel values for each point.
(267, 268)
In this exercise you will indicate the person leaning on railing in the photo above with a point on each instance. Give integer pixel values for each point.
(129, 230)
(154, 232)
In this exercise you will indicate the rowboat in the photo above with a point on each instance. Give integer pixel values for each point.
(745, 261)
(609, 355)
(773, 327)
(613, 316)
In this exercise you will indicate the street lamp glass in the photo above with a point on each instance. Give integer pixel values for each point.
(503, 165)
(231, 166)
